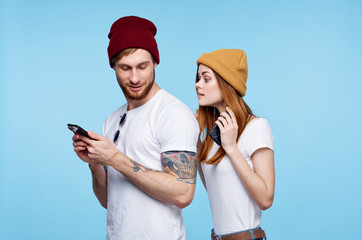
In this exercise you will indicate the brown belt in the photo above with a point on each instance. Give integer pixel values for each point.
(241, 235)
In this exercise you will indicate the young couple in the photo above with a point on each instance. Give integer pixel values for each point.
(144, 166)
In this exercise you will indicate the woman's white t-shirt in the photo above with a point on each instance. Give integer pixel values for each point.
(232, 208)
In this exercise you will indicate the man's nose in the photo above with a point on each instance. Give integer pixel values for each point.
(135, 78)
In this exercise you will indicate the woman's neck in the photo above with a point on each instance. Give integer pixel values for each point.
(221, 107)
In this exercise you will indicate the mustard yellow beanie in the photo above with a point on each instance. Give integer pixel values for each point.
(230, 64)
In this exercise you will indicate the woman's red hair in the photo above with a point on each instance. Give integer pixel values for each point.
(207, 116)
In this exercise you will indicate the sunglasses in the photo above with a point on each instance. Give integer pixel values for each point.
(120, 125)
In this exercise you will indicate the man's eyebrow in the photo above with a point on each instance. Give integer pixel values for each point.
(126, 65)
(145, 62)
(122, 65)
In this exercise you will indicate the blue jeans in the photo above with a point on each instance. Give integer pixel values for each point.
(250, 230)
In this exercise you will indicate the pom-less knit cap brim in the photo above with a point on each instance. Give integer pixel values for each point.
(132, 32)
(230, 64)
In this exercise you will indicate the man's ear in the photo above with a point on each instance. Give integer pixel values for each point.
(154, 65)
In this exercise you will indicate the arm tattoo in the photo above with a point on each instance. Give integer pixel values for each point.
(138, 167)
(182, 163)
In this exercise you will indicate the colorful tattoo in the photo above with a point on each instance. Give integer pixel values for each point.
(182, 163)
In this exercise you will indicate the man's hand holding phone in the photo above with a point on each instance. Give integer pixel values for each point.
(93, 148)
(76, 129)
(79, 142)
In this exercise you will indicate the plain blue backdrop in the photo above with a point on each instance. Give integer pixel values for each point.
(305, 62)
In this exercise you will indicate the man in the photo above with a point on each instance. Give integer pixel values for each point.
(143, 167)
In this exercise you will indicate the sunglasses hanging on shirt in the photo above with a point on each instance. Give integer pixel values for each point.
(120, 125)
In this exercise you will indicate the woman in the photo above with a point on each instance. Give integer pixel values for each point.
(238, 175)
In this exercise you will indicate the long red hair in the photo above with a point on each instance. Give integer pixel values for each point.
(207, 116)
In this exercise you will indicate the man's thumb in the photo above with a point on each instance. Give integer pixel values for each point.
(94, 135)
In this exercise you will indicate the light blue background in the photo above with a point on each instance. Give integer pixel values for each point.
(304, 77)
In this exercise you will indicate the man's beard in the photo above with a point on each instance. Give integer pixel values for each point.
(140, 94)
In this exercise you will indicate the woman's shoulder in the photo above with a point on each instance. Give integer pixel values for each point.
(257, 134)
(257, 123)
(256, 128)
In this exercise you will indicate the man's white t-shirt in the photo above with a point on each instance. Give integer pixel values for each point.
(232, 208)
(162, 124)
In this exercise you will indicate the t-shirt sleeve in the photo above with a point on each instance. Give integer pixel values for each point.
(105, 127)
(177, 129)
(260, 136)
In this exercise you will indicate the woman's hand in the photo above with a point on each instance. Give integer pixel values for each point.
(228, 129)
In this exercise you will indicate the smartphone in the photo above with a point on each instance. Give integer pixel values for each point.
(215, 134)
(78, 130)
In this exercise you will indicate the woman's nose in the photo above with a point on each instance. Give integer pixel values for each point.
(198, 85)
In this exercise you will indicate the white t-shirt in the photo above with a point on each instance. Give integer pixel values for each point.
(162, 124)
(232, 208)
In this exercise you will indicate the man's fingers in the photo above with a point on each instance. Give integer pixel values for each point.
(79, 149)
(79, 144)
(85, 139)
(94, 135)
(75, 137)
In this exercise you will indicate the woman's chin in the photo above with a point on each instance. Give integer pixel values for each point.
(202, 104)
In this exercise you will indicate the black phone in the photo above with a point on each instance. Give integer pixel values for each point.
(78, 130)
(215, 134)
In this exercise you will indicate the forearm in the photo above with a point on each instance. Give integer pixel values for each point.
(162, 186)
(99, 182)
(259, 189)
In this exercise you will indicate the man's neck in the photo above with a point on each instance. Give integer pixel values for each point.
(132, 104)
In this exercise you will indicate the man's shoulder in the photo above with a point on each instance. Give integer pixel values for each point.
(177, 128)
(174, 110)
(168, 96)
(170, 101)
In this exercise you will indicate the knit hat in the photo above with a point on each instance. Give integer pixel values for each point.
(230, 64)
(132, 32)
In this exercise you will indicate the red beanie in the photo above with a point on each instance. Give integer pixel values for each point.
(132, 32)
